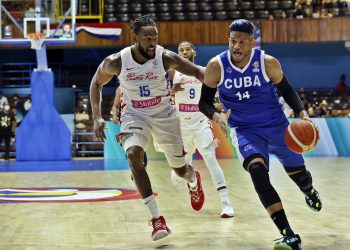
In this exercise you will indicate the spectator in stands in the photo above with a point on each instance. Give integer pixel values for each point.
(3, 99)
(317, 12)
(82, 124)
(311, 111)
(323, 109)
(27, 105)
(283, 15)
(326, 14)
(342, 88)
(7, 127)
(300, 12)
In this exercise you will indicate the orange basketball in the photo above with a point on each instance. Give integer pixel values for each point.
(301, 136)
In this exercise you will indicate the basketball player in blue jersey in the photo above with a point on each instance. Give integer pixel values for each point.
(247, 81)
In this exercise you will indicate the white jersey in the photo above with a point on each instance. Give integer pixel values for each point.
(144, 86)
(187, 101)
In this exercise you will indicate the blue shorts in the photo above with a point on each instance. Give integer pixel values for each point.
(267, 141)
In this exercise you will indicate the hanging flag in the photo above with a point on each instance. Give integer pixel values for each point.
(105, 30)
(102, 30)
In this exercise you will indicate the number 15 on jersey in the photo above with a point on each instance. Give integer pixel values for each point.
(144, 91)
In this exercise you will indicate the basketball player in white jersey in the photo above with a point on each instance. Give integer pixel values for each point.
(146, 111)
(196, 127)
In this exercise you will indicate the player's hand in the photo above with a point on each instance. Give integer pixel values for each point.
(115, 116)
(177, 87)
(221, 119)
(304, 116)
(99, 126)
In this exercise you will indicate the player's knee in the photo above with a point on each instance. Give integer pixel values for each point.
(175, 161)
(301, 177)
(260, 177)
(182, 171)
(135, 156)
(254, 158)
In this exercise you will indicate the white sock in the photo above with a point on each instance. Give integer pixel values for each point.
(151, 205)
(223, 193)
(217, 175)
(194, 185)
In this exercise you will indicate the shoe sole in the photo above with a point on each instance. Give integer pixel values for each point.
(160, 234)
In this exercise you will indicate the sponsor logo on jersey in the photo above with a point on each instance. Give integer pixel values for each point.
(65, 194)
(146, 103)
(188, 107)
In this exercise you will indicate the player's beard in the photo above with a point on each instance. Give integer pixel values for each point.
(144, 53)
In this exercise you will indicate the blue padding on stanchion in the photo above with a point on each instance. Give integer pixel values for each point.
(43, 135)
(112, 149)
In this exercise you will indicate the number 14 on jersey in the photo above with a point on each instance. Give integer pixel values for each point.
(241, 96)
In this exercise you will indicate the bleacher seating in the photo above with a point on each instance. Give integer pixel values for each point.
(180, 10)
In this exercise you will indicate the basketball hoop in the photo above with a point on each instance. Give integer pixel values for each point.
(36, 40)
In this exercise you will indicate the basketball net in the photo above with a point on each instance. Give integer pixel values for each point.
(36, 40)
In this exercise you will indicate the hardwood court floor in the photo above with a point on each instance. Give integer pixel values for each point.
(124, 224)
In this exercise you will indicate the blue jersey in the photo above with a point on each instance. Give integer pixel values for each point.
(249, 93)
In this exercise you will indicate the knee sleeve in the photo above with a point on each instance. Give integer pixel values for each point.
(261, 180)
(217, 175)
(303, 178)
(175, 161)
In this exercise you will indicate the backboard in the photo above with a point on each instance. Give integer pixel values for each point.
(53, 19)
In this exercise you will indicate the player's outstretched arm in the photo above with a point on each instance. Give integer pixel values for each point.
(212, 77)
(173, 60)
(110, 66)
(276, 75)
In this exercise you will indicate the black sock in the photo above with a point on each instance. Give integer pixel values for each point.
(281, 221)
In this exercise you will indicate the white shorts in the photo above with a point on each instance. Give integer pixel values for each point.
(136, 130)
(199, 138)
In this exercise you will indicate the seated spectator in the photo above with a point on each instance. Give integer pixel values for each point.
(323, 109)
(3, 99)
(82, 124)
(7, 127)
(326, 14)
(300, 12)
(341, 87)
(27, 105)
(317, 12)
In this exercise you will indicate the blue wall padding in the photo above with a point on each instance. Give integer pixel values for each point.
(43, 135)
(340, 130)
(112, 149)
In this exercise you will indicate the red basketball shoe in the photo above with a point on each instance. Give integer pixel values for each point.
(160, 229)
(197, 196)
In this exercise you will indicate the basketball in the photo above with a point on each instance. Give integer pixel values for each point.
(301, 136)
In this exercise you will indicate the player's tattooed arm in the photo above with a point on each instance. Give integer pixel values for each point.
(173, 60)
